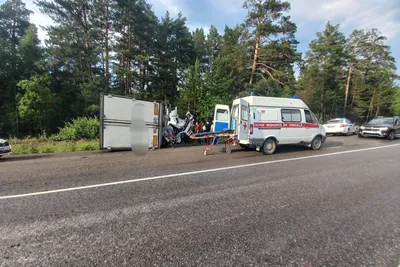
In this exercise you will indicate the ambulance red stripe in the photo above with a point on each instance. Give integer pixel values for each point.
(279, 125)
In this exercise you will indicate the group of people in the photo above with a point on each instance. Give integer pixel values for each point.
(206, 128)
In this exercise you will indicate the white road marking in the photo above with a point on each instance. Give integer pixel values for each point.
(192, 172)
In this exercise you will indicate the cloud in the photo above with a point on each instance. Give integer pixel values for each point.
(173, 6)
(355, 14)
(38, 18)
(228, 6)
(351, 14)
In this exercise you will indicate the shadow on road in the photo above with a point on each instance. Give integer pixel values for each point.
(20, 158)
(294, 148)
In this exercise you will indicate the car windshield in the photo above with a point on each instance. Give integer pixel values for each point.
(382, 121)
(334, 121)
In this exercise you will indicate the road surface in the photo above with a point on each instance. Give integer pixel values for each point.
(336, 207)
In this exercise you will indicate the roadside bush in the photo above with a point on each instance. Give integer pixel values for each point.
(55, 147)
(46, 148)
(25, 148)
(87, 146)
(66, 133)
(87, 128)
(80, 128)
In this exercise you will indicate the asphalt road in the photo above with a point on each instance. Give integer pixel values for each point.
(336, 207)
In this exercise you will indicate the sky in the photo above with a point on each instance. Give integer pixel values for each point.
(309, 15)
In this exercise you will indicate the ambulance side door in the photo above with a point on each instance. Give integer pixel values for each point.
(292, 130)
(222, 117)
(244, 120)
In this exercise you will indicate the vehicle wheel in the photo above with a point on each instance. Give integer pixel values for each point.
(269, 147)
(391, 135)
(164, 143)
(316, 143)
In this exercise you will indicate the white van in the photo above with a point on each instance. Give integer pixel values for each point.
(266, 122)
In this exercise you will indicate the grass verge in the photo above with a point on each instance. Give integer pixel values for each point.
(54, 147)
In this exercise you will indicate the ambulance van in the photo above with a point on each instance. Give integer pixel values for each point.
(266, 122)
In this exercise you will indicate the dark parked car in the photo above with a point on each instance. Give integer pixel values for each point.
(383, 127)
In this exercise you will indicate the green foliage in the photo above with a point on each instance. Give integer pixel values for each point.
(68, 132)
(86, 128)
(201, 93)
(267, 88)
(191, 92)
(396, 102)
(213, 44)
(35, 104)
(80, 128)
(87, 146)
(14, 22)
(272, 56)
(323, 77)
(33, 146)
(199, 44)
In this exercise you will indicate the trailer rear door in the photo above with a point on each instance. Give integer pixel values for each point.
(115, 122)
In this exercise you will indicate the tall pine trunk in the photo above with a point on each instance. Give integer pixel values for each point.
(254, 66)
(323, 91)
(371, 105)
(256, 48)
(346, 97)
(106, 84)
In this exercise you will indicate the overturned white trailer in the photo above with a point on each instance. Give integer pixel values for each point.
(116, 122)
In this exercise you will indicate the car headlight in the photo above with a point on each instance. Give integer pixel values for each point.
(384, 128)
(362, 127)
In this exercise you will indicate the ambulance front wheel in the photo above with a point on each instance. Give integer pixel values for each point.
(269, 146)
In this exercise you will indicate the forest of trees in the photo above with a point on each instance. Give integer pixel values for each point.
(121, 47)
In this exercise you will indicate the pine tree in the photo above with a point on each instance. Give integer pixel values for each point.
(77, 46)
(213, 44)
(14, 23)
(265, 21)
(325, 62)
(235, 52)
(135, 48)
(371, 59)
(175, 53)
(192, 88)
(199, 42)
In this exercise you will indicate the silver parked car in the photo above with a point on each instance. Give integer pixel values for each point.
(5, 147)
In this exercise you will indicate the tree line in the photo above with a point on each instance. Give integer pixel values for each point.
(121, 47)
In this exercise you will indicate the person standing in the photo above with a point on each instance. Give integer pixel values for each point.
(208, 129)
(197, 129)
(215, 138)
(208, 126)
(170, 131)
